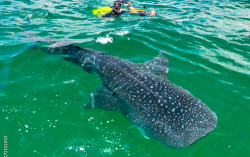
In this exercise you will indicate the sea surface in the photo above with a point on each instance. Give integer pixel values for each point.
(42, 96)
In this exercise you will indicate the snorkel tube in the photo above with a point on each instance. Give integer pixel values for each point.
(145, 10)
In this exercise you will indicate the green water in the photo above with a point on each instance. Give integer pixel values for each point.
(42, 96)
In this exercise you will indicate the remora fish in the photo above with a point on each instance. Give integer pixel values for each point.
(143, 94)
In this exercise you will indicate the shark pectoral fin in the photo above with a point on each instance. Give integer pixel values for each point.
(87, 68)
(157, 66)
(142, 131)
(103, 99)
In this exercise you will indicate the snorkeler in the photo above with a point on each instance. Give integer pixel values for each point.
(117, 10)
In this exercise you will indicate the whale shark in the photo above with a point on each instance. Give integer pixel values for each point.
(144, 95)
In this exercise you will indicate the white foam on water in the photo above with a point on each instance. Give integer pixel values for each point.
(181, 20)
(104, 40)
(70, 81)
(122, 32)
(29, 16)
(107, 39)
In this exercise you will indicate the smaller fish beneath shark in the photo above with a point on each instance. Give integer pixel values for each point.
(144, 95)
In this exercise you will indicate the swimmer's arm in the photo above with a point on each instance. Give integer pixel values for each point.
(112, 19)
(106, 17)
(130, 6)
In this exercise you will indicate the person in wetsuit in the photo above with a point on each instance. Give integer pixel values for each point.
(117, 10)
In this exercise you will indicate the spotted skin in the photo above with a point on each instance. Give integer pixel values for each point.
(143, 94)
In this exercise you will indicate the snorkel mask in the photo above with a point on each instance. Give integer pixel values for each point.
(117, 6)
(120, 4)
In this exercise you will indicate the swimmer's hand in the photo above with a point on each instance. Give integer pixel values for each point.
(125, 2)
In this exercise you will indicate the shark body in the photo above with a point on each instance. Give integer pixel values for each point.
(143, 94)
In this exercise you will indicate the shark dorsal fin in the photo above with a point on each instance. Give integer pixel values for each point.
(157, 66)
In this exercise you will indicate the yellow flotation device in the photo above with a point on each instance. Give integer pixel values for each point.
(101, 10)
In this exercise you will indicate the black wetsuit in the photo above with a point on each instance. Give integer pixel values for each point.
(113, 13)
